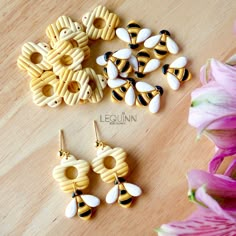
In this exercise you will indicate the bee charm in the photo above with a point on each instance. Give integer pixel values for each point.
(81, 204)
(133, 34)
(123, 90)
(162, 44)
(176, 73)
(143, 64)
(123, 192)
(149, 96)
(116, 63)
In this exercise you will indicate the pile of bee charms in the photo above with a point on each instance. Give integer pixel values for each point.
(57, 73)
(120, 65)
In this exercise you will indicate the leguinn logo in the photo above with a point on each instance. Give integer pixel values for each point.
(121, 119)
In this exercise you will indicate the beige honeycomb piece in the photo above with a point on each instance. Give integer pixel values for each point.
(98, 83)
(120, 169)
(63, 22)
(100, 23)
(65, 56)
(74, 86)
(44, 88)
(34, 58)
(63, 174)
(77, 39)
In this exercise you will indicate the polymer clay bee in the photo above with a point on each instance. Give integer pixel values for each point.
(133, 34)
(82, 205)
(176, 73)
(162, 44)
(123, 192)
(149, 96)
(116, 63)
(143, 64)
(123, 90)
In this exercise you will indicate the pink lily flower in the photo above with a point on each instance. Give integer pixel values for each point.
(216, 199)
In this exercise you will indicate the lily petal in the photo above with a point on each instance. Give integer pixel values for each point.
(210, 102)
(224, 75)
(203, 222)
(231, 170)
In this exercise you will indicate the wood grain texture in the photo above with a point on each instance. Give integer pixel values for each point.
(161, 148)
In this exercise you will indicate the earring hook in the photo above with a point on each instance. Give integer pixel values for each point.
(98, 142)
(62, 152)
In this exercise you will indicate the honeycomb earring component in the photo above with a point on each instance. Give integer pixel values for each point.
(122, 191)
(72, 177)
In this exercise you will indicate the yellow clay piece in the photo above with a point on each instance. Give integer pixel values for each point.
(65, 56)
(120, 169)
(73, 86)
(63, 22)
(44, 88)
(34, 58)
(68, 181)
(100, 23)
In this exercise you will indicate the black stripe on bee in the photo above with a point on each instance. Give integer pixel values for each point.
(133, 25)
(123, 89)
(116, 95)
(123, 191)
(133, 46)
(118, 61)
(160, 52)
(149, 95)
(125, 202)
(186, 73)
(142, 100)
(163, 43)
(87, 213)
(120, 179)
(139, 74)
(176, 72)
(133, 34)
(125, 67)
(143, 54)
(165, 68)
(160, 89)
(107, 55)
(81, 204)
(141, 63)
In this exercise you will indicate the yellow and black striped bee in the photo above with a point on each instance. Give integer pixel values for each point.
(162, 44)
(143, 64)
(116, 63)
(123, 192)
(123, 90)
(149, 96)
(81, 204)
(133, 34)
(176, 73)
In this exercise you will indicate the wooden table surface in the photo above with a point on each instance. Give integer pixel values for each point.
(161, 148)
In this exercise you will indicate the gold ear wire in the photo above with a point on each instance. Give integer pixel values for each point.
(98, 142)
(62, 152)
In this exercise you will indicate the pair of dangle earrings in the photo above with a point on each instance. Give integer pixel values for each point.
(72, 175)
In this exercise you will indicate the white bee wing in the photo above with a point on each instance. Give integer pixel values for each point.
(171, 45)
(143, 34)
(124, 75)
(112, 71)
(179, 63)
(114, 83)
(123, 35)
(173, 81)
(144, 87)
(133, 189)
(133, 62)
(90, 200)
(154, 104)
(71, 209)
(152, 65)
(130, 96)
(152, 41)
(123, 53)
(101, 60)
(112, 195)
